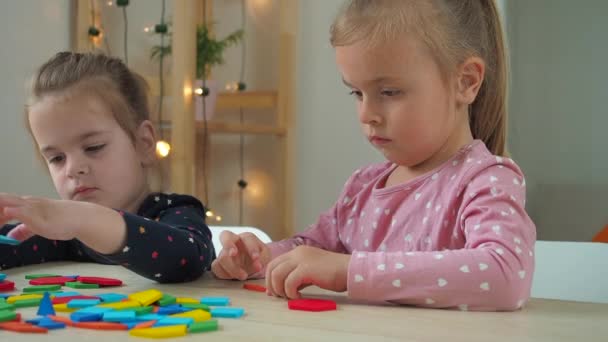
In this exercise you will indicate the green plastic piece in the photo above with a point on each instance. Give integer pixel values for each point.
(142, 310)
(166, 300)
(41, 288)
(210, 325)
(6, 306)
(7, 315)
(40, 275)
(27, 303)
(79, 285)
(196, 306)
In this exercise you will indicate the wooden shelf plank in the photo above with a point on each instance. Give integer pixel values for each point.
(258, 99)
(237, 128)
(247, 100)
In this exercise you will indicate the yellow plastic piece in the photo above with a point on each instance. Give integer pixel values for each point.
(63, 308)
(186, 300)
(197, 315)
(147, 297)
(121, 305)
(160, 332)
(13, 299)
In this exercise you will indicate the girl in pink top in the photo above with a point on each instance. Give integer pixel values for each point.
(442, 223)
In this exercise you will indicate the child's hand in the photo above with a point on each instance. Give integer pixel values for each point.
(287, 274)
(98, 227)
(241, 256)
(52, 219)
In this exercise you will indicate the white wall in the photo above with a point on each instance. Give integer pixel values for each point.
(33, 31)
(330, 145)
(558, 113)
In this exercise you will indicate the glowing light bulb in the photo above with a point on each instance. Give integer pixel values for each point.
(162, 148)
(209, 213)
(218, 218)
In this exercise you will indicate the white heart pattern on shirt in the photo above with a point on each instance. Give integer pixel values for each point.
(500, 251)
(515, 181)
(522, 274)
(399, 265)
(381, 267)
(483, 267)
(496, 229)
(442, 282)
(435, 176)
(494, 192)
(417, 196)
(358, 278)
(438, 256)
(429, 301)
(397, 283)
(485, 286)
(465, 269)
(408, 238)
(493, 179)
(366, 243)
(429, 204)
(346, 200)
(517, 250)
(516, 240)
(425, 220)
(374, 225)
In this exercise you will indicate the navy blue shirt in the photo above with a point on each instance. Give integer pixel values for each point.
(167, 241)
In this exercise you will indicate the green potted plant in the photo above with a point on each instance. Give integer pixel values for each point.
(209, 52)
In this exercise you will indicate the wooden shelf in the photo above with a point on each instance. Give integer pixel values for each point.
(264, 99)
(247, 100)
(221, 127)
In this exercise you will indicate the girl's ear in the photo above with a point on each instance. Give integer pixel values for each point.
(469, 79)
(145, 143)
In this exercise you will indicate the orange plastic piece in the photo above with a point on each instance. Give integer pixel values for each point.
(62, 319)
(22, 327)
(148, 324)
(601, 236)
(254, 287)
(101, 325)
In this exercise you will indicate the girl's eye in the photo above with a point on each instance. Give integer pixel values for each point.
(390, 92)
(356, 94)
(55, 160)
(95, 148)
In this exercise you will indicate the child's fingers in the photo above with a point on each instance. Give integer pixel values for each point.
(218, 270)
(294, 281)
(229, 241)
(252, 245)
(232, 266)
(277, 278)
(21, 233)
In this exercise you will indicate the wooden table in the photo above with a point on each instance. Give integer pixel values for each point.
(268, 319)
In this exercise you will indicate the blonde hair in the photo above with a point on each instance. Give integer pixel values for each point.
(108, 78)
(453, 30)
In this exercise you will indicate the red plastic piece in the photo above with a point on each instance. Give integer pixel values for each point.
(6, 285)
(51, 281)
(63, 300)
(100, 281)
(148, 324)
(254, 287)
(312, 304)
(22, 327)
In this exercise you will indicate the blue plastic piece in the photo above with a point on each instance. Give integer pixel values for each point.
(2, 276)
(130, 325)
(83, 303)
(46, 306)
(150, 317)
(111, 297)
(215, 301)
(67, 294)
(171, 309)
(174, 321)
(50, 324)
(85, 317)
(94, 310)
(5, 240)
(227, 312)
(119, 316)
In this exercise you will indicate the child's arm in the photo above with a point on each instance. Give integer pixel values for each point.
(176, 248)
(492, 272)
(173, 246)
(33, 251)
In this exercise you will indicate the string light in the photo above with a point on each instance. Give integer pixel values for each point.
(162, 148)
(110, 3)
(201, 91)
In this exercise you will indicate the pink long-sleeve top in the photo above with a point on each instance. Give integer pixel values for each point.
(456, 237)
